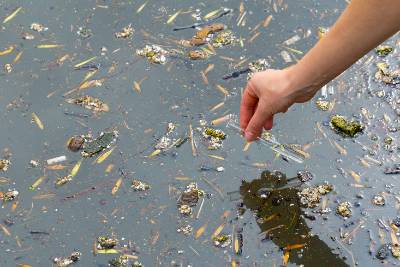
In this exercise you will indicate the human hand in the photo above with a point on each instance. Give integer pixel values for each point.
(268, 93)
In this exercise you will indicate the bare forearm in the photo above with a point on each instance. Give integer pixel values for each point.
(361, 27)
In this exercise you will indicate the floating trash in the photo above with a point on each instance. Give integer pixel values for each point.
(126, 32)
(223, 38)
(186, 229)
(105, 242)
(222, 240)
(384, 251)
(4, 164)
(75, 143)
(197, 54)
(185, 210)
(154, 53)
(67, 261)
(89, 102)
(323, 104)
(378, 200)
(9, 195)
(104, 141)
(310, 197)
(37, 27)
(344, 209)
(257, 66)
(138, 185)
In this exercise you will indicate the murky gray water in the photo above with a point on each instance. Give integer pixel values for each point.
(54, 221)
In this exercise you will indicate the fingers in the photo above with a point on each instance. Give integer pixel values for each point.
(268, 125)
(247, 107)
(262, 117)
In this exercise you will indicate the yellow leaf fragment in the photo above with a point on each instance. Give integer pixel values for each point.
(76, 168)
(356, 177)
(154, 153)
(209, 68)
(116, 186)
(136, 86)
(173, 17)
(222, 89)
(104, 156)
(267, 21)
(141, 7)
(211, 14)
(5, 230)
(200, 231)
(236, 245)
(56, 167)
(85, 62)
(89, 75)
(341, 149)
(7, 51)
(294, 246)
(216, 157)
(183, 178)
(109, 168)
(17, 57)
(12, 15)
(246, 146)
(107, 251)
(37, 121)
(217, 106)
(285, 258)
(14, 206)
(37, 183)
(218, 230)
(49, 46)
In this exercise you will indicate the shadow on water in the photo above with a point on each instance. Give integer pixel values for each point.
(279, 216)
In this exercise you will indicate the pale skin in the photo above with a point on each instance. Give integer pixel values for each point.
(361, 27)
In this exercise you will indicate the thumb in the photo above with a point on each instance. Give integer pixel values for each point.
(257, 122)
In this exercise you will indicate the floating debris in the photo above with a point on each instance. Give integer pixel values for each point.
(214, 137)
(191, 195)
(138, 185)
(75, 143)
(378, 200)
(304, 176)
(222, 240)
(344, 209)
(384, 251)
(120, 261)
(185, 210)
(257, 66)
(186, 229)
(395, 249)
(4, 164)
(345, 127)
(105, 242)
(223, 39)
(104, 141)
(323, 104)
(203, 35)
(56, 160)
(89, 102)
(63, 180)
(27, 36)
(385, 75)
(67, 261)
(383, 50)
(154, 53)
(8, 68)
(393, 170)
(126, 32)
(197, 54)
(9, 195)
(310, 197)
(37, 27)
(84, 32)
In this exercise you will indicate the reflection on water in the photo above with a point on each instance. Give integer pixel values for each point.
(279, 217)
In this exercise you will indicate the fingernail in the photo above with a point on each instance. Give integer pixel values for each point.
(249, 136)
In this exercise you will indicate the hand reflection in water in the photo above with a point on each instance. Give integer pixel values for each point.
(279, 217)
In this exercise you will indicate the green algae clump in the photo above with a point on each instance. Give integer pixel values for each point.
(345, 127)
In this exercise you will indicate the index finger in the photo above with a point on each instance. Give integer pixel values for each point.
(248, 106)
